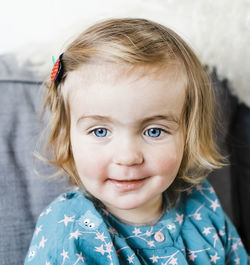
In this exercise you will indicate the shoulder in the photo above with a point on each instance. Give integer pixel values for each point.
(61, 224)
(206, 228)
(67, 210)
(203, 214)
(69, 206)
(204, 197)
(203, 211)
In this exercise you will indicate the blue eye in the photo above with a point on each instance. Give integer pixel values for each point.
(100, 132)
(154, 132)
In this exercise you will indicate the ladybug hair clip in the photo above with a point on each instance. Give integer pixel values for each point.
(57, 70)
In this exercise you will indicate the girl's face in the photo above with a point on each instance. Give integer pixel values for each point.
(126, 138)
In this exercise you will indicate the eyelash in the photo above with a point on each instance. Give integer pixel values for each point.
(146, 132)
(160, 131)
(93, 132)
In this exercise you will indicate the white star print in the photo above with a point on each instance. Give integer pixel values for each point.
(148, 233)
(100, 249)
(109, 247)
(48, 210)
(234, 246)
(173, 261)
(154, 259)
(237, 261)
(192, 256)
(197, 216)
(38, 230)
(130, 259)
(207, 231)
(179, 218)
(137, 231)
(65, 256)
(211, 189)
(171, 226)
(214, 258)
(75, 234)
(80, 258)
(67, 219)
(42, 242)
(100, 236)
(151, 243)
(215, 205)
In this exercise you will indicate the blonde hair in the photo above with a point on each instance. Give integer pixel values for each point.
(139, 42)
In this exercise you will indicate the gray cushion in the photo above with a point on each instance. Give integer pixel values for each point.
(24, 193)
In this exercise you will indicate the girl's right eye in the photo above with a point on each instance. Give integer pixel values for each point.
(100, 132)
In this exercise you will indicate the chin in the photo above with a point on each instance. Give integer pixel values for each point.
(127, 203)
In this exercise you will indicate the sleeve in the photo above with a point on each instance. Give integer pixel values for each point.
(222, 239)
(50, 244)
(42, 248)
(70, 231)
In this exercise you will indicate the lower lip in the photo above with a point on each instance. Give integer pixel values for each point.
(125, 186)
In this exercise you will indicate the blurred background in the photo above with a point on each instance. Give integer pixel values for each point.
(219, 31)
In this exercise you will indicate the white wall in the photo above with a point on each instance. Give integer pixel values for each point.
(31, 21)
(219, 31)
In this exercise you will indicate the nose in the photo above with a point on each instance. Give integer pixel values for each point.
(128, 153)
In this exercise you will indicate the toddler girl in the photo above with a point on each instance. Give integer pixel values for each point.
(132, 125)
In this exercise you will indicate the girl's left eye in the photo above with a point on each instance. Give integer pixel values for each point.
(100, 132)
(154, 132)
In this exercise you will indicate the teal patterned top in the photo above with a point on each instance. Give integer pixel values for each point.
(75, 230)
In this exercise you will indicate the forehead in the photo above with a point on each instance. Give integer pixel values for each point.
(86, 75)
(110, 89)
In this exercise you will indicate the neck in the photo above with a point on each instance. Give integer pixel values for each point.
(149, 213)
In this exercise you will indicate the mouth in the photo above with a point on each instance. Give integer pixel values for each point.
(128, 185)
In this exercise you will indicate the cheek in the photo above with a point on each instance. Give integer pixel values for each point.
(167, 162)
(168, 165)
(89, 164)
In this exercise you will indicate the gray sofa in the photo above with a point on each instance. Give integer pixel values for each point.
(24, 192)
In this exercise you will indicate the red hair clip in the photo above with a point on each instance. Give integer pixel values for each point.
(57, 70)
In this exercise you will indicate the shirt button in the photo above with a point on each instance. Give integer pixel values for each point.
(159, 237)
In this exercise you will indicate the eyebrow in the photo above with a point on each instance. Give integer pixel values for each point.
(142, 121)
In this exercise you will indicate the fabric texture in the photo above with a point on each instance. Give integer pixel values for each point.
(24, 193)
(72, 230)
